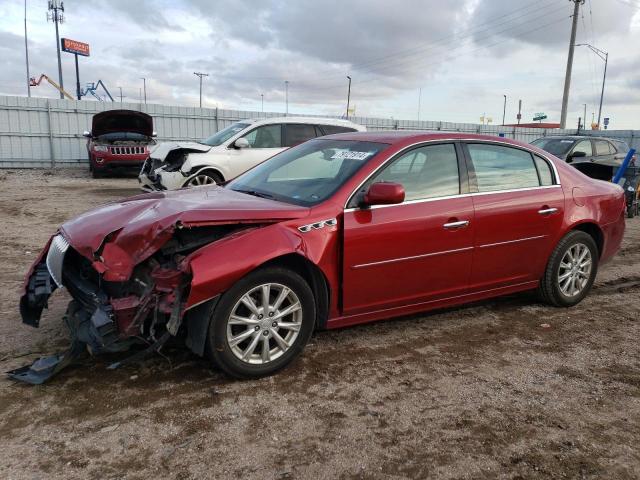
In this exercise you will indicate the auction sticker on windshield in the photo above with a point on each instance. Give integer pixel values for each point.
(349, 155)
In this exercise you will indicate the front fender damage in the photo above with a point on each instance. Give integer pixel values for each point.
(120, 301)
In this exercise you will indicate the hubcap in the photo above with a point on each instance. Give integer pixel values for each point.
(575, 270)
(199, 180)
(264, 323)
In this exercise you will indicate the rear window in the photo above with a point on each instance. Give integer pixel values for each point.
(298, 133)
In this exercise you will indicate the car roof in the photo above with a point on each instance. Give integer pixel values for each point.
(306, 120)
(393, 137)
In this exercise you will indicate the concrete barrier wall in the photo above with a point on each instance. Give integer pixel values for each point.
(41, 132)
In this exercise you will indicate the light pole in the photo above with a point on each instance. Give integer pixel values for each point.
(286, 98)
(419, 101)
(56, 16)
(121, 97)
(262, 102)
(348, 96)
(144, 88)
(504, 109)
(603, 56)
(200, 75)
(26, 50)
(567, 77)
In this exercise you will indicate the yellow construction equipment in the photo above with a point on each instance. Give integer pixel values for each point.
(34, 83)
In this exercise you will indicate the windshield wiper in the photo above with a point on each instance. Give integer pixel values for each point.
(255, 193)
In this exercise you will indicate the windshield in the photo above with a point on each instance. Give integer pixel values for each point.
(555, 146)
(308, 173)
(224, 134)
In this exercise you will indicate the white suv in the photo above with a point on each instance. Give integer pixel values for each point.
(231, 151)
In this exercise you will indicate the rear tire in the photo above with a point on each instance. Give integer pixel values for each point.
(571, 270)
(261, 323)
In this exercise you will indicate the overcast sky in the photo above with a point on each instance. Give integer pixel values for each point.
(464, 55)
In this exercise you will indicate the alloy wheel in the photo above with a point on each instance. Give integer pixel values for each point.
(200, 180)
(575, 269)
(264, 323)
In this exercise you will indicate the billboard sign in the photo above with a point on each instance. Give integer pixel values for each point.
(73, 46)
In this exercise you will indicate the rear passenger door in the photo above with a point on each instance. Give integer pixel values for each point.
(518, 211)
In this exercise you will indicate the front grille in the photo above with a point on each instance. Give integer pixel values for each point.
(133, 150)
(55, 258)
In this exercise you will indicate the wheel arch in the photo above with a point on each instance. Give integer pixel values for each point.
(313, 276)
(594, 231)
(205, 169)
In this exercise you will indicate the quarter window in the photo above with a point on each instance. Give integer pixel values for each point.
(502, 168)
(267, 136)
(602, 147)
(584, 146)
(425, 172)
(544, 171)
(298, 133)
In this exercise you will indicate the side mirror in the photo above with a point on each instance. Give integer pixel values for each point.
(154, 134)
(383, 193)
(241, 143)
(576, 155)
(86, 134)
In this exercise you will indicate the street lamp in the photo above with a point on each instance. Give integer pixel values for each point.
(603, 56)
(200, 75)
(286, 98)
(504, 109)
(144, 88)
(262, 102)
(348, 96)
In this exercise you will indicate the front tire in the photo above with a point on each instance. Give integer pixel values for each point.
(571, 270)
(261, 323)
(204, 178)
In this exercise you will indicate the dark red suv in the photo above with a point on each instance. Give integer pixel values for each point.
(119, 140)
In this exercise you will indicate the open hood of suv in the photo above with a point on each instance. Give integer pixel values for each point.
(126, 121)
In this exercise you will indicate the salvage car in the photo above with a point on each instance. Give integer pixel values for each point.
(337, 231)
(232, 151)
(119, 140)
(577, 148)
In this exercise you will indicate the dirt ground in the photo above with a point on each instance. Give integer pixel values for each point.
(477, 392)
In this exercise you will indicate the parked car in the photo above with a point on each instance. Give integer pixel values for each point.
(119, 140)
(231, 151)
(337, 231)
(598, 158)
(574, 148)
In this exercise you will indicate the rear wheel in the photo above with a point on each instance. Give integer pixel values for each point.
(204, 178)
(262, 323)
(571, 270)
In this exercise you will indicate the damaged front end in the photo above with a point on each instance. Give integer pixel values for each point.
(116, 304)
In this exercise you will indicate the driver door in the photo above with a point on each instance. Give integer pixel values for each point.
(417, 251)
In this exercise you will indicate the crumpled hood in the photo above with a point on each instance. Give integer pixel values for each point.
(139, 226)
(161, 150)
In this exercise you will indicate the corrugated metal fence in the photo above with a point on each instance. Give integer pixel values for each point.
(40, 132)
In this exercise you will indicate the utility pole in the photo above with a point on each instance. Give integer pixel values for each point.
(26, 50)
(585, 116)
(504, 109)
(200, 75)
(121, 96)
(348, 96)
(262, 102)
(419, 101)
(56, 15)
(567, 77)
(286, 98)
(144, 88)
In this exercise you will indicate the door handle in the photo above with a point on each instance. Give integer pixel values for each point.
(456, 225)
(547, 211)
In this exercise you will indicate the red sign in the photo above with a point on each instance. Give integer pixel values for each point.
(73, 46)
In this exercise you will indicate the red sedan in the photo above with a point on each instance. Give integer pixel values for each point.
(337, 231)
